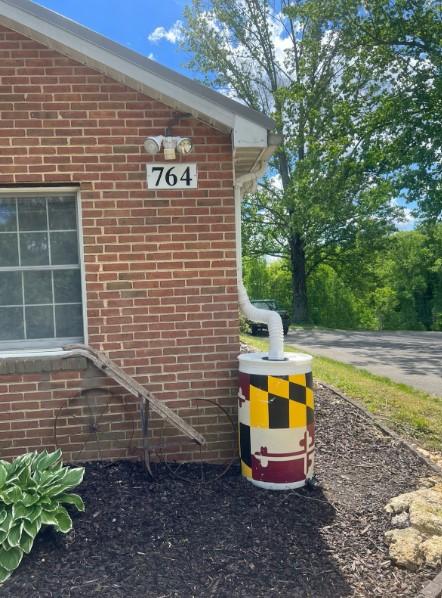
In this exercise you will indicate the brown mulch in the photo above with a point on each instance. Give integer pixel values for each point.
(167, 538)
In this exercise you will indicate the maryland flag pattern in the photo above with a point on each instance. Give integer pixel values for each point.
(276, 427)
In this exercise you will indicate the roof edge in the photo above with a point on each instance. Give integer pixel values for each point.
(64, 23)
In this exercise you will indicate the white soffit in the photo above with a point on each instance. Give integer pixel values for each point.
(249, 128)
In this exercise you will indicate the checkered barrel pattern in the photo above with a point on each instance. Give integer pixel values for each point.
(276, 427)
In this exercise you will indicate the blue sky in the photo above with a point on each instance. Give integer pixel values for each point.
(146, 26)
(130, 22)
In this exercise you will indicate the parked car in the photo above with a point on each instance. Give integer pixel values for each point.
(256, 327)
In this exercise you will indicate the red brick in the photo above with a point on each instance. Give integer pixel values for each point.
(160, 266)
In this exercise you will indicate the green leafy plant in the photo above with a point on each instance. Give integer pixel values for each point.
(33, 489)
(243, 324)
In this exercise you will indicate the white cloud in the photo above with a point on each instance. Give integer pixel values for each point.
(247, 63)
(152, 56)
(408, 222)
(276, 182)
(172, 35)
(281, 41)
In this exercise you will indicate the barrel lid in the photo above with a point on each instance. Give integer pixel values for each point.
(259, 364)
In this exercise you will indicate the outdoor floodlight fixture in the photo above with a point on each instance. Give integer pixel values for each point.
(170, 145)
(152, 145)
(184, 145)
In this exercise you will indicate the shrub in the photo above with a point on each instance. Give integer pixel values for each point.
(244, 325)
(33, 490)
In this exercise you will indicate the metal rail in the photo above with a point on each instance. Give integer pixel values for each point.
(106, 365)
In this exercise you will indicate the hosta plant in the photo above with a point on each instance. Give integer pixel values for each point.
(33, 490)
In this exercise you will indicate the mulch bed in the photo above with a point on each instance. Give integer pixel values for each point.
(167, 538)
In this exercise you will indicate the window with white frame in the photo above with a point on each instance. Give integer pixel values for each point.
(40, 271)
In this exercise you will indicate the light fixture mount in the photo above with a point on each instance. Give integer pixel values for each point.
(169, 143)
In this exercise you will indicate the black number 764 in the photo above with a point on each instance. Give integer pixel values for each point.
(170, 178)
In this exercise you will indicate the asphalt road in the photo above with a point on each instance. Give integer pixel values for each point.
(413, 358)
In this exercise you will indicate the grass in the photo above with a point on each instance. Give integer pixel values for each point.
(412, 413)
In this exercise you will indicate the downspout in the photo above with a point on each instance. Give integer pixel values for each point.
(263, 316)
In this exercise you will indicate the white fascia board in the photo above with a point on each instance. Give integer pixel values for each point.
(249, 134)
(245, 133)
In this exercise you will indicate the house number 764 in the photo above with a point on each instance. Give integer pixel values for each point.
(176, 176)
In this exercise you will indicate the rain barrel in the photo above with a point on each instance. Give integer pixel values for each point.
(276, 420)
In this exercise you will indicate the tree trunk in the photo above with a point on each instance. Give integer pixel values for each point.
(299, 280)
(297, 253)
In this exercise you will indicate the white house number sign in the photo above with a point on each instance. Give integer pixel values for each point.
(172, 176)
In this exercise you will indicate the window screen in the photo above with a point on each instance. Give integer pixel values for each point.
(40, 274)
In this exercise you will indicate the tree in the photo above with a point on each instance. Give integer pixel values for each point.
(402, 285)
(404, 38)
(434, 246)
(267, 280)
(328, 187)
(395, 287)
(336, 304)
(256, 278)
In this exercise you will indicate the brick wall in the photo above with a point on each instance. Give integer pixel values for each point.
(160, 266)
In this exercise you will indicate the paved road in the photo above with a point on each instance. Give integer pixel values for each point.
(413, 358)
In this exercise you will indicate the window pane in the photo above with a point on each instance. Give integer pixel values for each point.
(39, 322)
(64, 248)
(69, 320)
(67, 286)
(8, 217)
(11, 323)
(10, 288)
(62, 213)
(38, 287)
(32, 214)
(8, 249)
(34, 249)
(36, 233)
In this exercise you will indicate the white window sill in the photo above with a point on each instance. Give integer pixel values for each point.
(35, 353)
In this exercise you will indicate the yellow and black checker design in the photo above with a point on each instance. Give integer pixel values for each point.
(281, 401)
(245, 450)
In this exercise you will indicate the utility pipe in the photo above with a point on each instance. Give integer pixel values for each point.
(264, 316)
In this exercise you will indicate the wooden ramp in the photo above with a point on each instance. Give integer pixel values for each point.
(106, 365)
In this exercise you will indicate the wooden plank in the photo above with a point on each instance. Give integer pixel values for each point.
(111, 369)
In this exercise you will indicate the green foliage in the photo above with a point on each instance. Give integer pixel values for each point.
(404, 39)
(394, 287)
(33, 490)
(244, 325)
(268, 280)
(334, 304)
(434, 247)
(399, 287)
(355, 91)
(256, 278)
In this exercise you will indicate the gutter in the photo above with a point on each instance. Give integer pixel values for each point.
(246, 184)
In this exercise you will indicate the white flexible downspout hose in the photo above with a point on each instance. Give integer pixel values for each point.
(263, 316)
